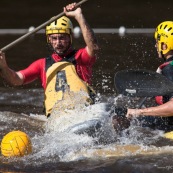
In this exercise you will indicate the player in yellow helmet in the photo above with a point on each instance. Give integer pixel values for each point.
(59, 38)
(164, 39)
(161, 116)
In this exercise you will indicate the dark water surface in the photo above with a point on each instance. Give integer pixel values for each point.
(21, 107)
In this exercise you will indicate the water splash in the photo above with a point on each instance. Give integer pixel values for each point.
(55, 141)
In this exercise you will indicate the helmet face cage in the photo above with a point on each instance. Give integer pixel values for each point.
(62, 25)
(164, 34)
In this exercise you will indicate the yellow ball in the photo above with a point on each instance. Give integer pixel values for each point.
(169, 135)
(16, 143)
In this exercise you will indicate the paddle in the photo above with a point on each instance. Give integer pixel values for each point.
(37, 29)
(142, 83)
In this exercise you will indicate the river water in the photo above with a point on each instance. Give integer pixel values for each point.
(55, 147)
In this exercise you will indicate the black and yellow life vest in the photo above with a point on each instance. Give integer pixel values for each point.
(162, 99)
(59, 76)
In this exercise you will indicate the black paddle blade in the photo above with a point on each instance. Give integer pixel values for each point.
(142, 83)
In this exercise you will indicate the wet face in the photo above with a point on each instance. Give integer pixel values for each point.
(163, 47)
(60, 42)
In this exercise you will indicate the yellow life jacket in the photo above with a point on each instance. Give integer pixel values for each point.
(60, 75)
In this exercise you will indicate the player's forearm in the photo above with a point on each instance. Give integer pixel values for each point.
(88, 35)
(10, 76)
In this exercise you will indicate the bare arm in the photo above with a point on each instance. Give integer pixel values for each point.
(88, 34)
(165, 110)
(12, 77)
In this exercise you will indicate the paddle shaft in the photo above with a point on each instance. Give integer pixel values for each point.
(36, 29)
(141, 103)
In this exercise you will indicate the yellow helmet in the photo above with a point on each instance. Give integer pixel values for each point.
(16, 143)
(164, 34)
(61, 25)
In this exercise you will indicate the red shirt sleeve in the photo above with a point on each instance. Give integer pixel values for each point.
(84, 65)
(83, 58)
(35, 71)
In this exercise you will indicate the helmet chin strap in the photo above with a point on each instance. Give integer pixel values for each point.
(163, 57)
